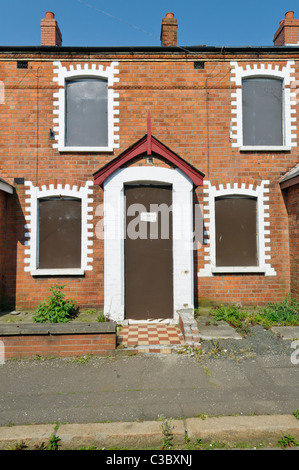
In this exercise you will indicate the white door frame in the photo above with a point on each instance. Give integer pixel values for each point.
(114, 231)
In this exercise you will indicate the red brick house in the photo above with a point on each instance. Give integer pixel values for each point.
(146, 179)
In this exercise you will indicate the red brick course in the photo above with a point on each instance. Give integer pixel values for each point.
(58, 345)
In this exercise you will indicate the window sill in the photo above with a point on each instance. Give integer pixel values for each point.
(86, 149)
(58, 272)
(238, 269)
(265, 148)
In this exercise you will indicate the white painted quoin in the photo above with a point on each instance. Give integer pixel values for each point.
(62, 74)
(286, 73)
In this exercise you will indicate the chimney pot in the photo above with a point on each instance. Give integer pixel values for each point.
(289, 15)
(169, 15)
(50, 15)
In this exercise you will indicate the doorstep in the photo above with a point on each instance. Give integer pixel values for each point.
(149, 337)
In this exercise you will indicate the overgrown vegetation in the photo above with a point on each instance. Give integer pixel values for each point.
(285, 313)
(56, 309)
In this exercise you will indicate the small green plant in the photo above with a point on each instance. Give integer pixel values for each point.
(89, 311)
(201, 416)
(288, 441)
(56, 309)
(101, 318)
(19, 446)
(296, 414)
(229, 313)
(167, 433)
(54, 442)
(82, 359)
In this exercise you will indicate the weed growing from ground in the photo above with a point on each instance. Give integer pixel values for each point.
(288, 441)
(285, 312)
(167, 428)
(56, 309)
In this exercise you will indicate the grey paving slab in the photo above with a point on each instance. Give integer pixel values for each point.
(209, 329)
(286, 332)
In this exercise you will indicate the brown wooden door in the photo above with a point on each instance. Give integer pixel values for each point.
(148, 252)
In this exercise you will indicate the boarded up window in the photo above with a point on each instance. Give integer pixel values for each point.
(262, 111)
(86, 113)
(236, 231)
(59, 233)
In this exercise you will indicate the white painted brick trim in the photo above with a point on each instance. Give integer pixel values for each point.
(89, 70)
(33, 195)
(114, 234)
(289, 102)
(264, 257)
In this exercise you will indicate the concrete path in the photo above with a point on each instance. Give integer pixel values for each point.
(118, 400)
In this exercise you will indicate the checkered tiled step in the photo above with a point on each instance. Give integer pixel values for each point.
(150, 337)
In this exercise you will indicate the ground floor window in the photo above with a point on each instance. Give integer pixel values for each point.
(59, 233)
(236, 231)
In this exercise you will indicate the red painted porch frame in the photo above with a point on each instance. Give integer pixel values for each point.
(148, 145)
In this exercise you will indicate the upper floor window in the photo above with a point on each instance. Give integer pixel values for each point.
(86, 117)
(263, 107)
(262, 111)
(86, 107)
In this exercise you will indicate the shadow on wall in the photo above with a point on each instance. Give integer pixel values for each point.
(12, 235)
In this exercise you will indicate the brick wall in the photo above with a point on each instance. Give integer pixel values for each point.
(25, 340)
(191, 114)
(16, 347)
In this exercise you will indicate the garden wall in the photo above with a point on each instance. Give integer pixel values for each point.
(61, 340)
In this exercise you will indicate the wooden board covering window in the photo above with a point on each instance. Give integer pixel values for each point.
(262, 111)
(236, 231)
(86, 113)
(59, 233)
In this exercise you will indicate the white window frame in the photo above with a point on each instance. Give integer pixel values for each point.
(76, 71)
(286, 74)
(263, 228)
(34, 194)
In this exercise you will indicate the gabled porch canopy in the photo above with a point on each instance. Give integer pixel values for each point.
(149, 145)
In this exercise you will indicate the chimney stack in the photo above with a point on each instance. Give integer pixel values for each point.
(288, 31)
(169, 30)
(50, 32)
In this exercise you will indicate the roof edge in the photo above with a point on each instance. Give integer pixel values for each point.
(185, 50)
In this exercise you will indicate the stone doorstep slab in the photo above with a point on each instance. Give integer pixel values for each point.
(267, 429)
